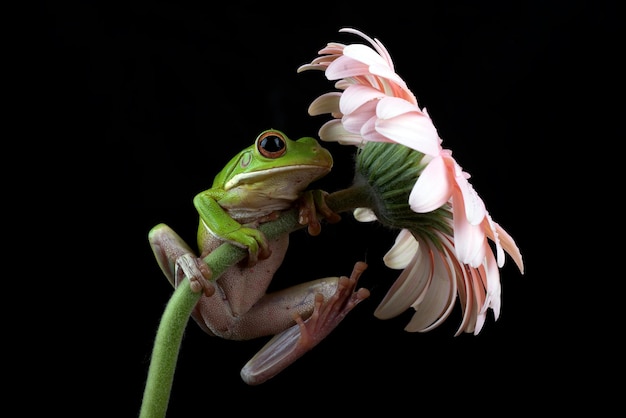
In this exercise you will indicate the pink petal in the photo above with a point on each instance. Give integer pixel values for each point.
(346, 67)
(489, 227)
(354, 121)
(474, 206)
(366, 55)
(432, 188)
(356, 95)
(383, 71)
(510, 247)
(478, 318)
(492, 277)
(469, 240)
(369, 132)
(405, 124)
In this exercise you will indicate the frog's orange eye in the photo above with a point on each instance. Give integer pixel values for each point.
(271, 144)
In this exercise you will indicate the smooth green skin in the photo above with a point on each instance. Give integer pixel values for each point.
(253, 185)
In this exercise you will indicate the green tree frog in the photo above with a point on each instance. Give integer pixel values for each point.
(258, 183)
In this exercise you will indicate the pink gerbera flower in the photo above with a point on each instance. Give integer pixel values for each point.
(446, 240)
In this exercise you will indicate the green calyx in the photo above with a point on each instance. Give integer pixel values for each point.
(390, 170)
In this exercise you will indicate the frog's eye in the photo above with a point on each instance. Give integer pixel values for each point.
(271, 144)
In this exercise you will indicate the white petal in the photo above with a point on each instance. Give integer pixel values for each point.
(402, 251)
(364, 215)
(409, 287)
(333, 131)
(326, 103)
(438, 300)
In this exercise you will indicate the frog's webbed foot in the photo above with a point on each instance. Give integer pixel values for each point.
(197, 272)
(312, 203)
(291, 344)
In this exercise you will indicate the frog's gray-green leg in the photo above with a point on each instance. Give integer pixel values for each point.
(286, 347)
(177, 260)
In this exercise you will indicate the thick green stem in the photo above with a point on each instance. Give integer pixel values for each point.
(165, 353)
(356, 196)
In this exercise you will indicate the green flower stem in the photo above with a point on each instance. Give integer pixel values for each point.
(178, 310)
(165, 353)
(356, 196)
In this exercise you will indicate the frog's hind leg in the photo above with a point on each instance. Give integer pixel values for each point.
(177, 260)
(329, 309)
(168, 247)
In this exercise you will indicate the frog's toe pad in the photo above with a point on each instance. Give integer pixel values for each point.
(197, 272)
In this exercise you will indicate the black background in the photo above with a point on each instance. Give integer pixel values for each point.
(149, 100)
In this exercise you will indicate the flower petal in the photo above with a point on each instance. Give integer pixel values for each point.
(366, 55)
(510, 247)
(474, 206)
(492, 279)
(346, 67)
(366, 114)
(432, 188)
(406, 124)
(439, 300)
(326, 103)
(333, 131)
(409, 287)
(364, 215)
(403, 250)
(356, 95)
(469, 240)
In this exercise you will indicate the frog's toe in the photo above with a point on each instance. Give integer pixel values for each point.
(197, 272)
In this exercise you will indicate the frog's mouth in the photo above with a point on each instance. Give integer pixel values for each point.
(280, 178)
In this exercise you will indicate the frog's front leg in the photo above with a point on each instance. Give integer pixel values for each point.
(177, 260)
(291, 344)
(310, 205)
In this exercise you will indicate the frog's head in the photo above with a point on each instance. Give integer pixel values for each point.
(276, 166)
